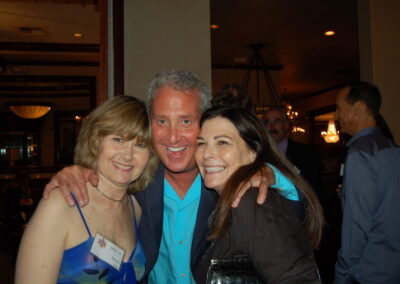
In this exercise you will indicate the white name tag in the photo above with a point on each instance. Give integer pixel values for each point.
(107, 251)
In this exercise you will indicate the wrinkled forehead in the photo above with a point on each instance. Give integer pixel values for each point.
(169, 98)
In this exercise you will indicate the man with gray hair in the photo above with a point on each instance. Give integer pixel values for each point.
(176, 205)
(303, 156)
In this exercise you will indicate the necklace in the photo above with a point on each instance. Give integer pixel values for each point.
(109, 198)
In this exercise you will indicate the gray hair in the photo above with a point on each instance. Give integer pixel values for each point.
(179, 81)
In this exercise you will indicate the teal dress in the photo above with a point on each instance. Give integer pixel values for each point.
(79, 265)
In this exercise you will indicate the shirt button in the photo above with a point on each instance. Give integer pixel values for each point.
(180, 242)
(183, 274)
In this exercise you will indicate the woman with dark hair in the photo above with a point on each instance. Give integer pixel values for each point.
(232, 146)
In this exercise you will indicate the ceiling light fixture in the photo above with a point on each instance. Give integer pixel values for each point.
(29, 110)
(331, 135)
(294, 119)
(329, 33)
(78, 35)
(258, 65)
(272, 98)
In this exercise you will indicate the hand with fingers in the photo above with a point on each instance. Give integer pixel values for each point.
(72, 179)
(263, 179)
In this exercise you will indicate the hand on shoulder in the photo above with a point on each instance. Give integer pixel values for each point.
(72, 179)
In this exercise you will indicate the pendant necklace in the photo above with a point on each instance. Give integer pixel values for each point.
(109, 198)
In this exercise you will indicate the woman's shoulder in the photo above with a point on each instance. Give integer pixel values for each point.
(55, 205)
(51, 216)
(248, 207)
(249, 200)
(276, 207)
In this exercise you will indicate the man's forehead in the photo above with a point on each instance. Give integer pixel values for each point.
(177, 105)
(273, 114)
(342, 94)
(177, 95)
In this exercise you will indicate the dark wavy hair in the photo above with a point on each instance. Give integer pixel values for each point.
(252, 131)
(232, 95)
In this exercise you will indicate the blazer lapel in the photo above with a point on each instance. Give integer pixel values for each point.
(208, 200)
(150, 229)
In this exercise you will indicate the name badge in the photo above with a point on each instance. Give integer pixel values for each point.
(341, 169)
(107, 251)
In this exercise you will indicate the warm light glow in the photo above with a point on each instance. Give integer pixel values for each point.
(331, 136)
(292, 115)
(214, 27)
(29, 111)
(78, 117)
(329, 33)
(78, 35)
(297, 129)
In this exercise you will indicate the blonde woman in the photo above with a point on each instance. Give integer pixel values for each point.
(98, 243)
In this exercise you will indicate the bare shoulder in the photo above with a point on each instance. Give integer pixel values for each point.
(43, 243)
(54, 208)
(56, 201)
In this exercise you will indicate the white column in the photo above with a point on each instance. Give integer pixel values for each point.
(165, 34)
(379, 39)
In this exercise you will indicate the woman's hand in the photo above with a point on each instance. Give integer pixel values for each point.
(262, 179)
(72, 179)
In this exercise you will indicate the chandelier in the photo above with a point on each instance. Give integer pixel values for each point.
(331, 135)
(29, 110)
(263, 103)
(258, 65)
(293, 118)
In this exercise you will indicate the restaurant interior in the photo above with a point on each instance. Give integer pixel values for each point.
(59, 59)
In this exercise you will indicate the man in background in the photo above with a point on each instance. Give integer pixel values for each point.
(303, 156)
(370, 248)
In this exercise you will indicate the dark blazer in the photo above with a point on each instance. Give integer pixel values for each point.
(307, 160)
(151, 224)
(271, 236)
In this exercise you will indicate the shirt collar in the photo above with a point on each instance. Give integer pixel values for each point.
(362, 133)
(193, 193)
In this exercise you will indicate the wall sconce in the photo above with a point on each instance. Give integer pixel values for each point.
(331, 135)
(29, 110)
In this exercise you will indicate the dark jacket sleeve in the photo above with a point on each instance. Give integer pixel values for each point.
(307, 160)
(274, 239)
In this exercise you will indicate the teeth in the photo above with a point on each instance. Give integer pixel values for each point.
(175, 149)
(122, 166)
(214, 169)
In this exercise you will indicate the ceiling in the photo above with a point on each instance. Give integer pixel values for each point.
(291, 32)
